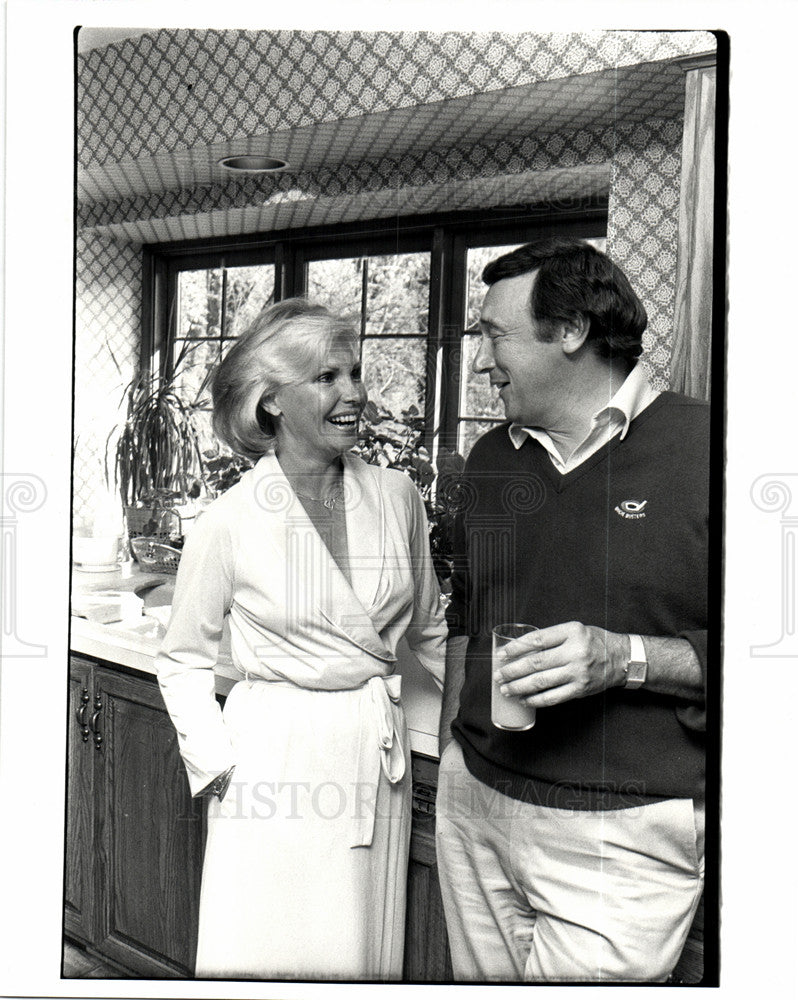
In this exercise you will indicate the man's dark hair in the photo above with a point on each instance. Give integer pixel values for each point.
(574, 278)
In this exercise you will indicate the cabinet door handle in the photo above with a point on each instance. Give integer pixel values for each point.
(423, 800)
(81, 714)
(95, 720)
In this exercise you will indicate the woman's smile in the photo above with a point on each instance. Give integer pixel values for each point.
(348, 421)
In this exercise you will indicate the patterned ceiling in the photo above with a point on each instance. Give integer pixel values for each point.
(631, 94)
(178, 89)
(217, 212)
(156, 112)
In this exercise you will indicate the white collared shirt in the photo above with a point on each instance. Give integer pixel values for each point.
(628, 402)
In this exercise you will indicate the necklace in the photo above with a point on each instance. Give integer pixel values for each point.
(329, 502)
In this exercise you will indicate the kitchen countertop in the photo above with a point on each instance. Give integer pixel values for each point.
(135, 641)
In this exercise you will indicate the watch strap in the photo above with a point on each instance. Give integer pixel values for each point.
(637, 666)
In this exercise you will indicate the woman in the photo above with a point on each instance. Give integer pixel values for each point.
(321, 564)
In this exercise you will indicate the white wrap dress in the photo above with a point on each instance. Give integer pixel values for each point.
(306, 857)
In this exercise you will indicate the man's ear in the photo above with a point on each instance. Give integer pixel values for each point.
(573, 333)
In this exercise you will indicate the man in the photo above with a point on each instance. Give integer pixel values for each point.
(574, 850)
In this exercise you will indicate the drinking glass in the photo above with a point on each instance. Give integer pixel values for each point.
(508, 712)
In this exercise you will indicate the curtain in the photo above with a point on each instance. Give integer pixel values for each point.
(690, 361)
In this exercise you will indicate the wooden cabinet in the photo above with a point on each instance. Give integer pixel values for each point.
(134, 836)
(79, 856)
(426, 947)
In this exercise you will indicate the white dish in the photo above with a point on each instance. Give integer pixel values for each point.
(87, 568)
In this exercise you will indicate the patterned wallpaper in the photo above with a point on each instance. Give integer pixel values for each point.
(642, 229)
(107, 336)
(128, 109)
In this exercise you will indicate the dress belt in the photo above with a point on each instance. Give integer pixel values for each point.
(380, 700)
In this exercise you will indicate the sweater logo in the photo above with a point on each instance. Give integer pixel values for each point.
(632, 510)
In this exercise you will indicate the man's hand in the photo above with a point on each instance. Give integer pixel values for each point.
(563, 662)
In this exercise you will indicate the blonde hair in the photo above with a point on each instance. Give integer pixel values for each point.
(278, 349)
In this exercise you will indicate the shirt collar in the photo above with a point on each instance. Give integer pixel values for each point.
(628, 402)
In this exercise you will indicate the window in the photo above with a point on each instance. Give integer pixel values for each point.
(411, 287)
(213, 306)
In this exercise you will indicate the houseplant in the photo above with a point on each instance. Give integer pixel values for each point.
(157, 462)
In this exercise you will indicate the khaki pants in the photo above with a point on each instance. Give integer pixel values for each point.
(534, 893)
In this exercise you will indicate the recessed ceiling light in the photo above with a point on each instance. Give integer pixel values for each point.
(250, 164)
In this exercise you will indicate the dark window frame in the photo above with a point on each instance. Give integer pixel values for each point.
(447, 237)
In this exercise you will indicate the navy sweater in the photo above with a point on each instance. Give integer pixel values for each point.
(620, 542)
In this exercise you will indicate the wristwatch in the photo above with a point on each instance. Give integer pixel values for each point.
(637, 664)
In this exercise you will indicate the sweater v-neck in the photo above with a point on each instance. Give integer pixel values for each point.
(562, 480)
